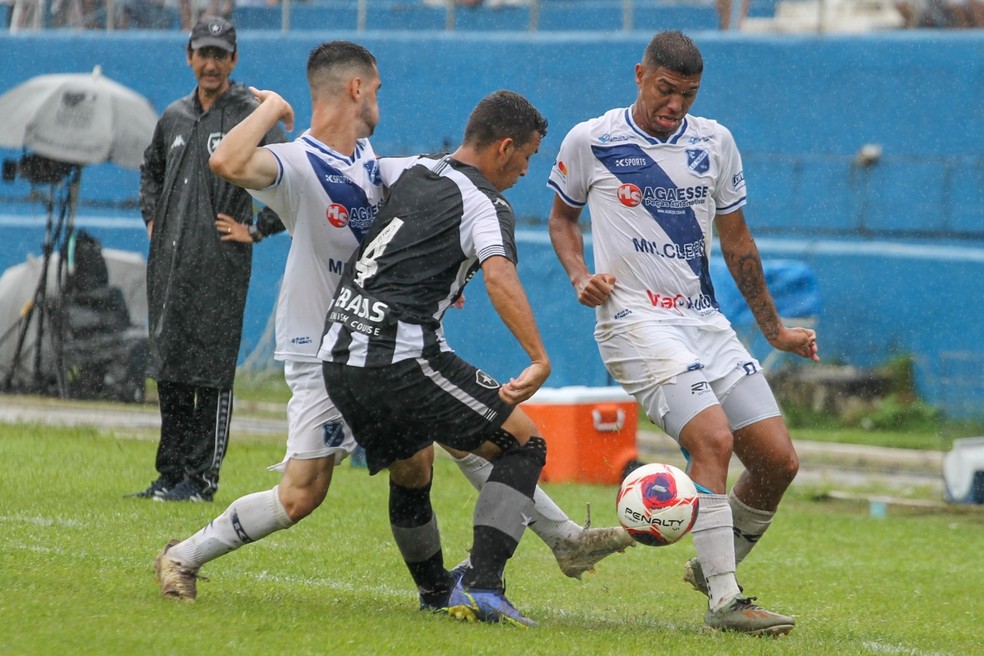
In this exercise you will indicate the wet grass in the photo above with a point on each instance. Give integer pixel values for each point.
(76, 571)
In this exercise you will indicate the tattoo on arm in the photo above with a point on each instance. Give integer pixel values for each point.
(746, 269)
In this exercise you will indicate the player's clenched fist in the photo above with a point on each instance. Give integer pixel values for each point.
(595, 290)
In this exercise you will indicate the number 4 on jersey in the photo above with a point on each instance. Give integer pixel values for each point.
(366, 266)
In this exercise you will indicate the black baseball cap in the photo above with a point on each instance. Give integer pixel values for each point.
(213, 31)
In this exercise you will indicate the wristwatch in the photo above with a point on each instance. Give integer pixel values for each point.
(254, 233)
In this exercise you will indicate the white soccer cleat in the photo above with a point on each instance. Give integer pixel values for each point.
(580, 554)
(177, 581)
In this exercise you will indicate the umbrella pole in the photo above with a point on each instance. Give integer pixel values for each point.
(67, 219)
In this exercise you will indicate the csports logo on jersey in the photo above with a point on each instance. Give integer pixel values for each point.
(214, 140)
(698, 160)
(337, 215)
(629, 195)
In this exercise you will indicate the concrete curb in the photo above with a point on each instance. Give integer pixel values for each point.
(821, 463)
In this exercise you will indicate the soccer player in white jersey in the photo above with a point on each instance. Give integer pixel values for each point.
(655, 178)
(327, 185)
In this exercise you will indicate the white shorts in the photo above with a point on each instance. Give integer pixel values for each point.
(314, 426)
(674, 372)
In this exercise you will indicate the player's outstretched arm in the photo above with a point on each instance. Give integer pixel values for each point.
(568, 243)
(238, 158)
(509, 300)
(745, 264)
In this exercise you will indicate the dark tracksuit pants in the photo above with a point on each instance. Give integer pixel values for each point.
(194, 433)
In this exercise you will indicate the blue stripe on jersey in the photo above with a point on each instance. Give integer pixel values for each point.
(343, 191)
(567, 199)
(631, 165)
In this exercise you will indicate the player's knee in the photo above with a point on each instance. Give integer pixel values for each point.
(787, 468)
(409, 506)
(299, 502)
(535, 447)
(715, 445)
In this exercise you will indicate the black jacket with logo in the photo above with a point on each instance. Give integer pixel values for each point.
(196, 284)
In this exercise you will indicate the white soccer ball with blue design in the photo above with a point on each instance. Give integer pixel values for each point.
(657, 504)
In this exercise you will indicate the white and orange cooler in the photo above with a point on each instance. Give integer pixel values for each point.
(590, 432)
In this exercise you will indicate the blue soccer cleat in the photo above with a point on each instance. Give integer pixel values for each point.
(475, 605)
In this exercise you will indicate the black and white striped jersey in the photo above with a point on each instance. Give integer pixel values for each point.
(440, 221)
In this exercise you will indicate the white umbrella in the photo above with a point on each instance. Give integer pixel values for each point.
(78, 118)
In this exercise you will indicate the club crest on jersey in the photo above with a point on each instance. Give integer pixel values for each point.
(629, 195)
(333, 433)
(337, 215)
(214, 140)
(698, 160)
(372, 170)
(485, 380)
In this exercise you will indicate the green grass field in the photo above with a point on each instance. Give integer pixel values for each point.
(76, 571)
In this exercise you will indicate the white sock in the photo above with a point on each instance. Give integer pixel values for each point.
(246, 520)
(750, 523)
(550, 523)
(714, 541)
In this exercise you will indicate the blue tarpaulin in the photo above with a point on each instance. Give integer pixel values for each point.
(794, 288)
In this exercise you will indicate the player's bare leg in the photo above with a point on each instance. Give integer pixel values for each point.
(250, 518)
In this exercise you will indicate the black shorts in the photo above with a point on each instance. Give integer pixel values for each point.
(397, 410)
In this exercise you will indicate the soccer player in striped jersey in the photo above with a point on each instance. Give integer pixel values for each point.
(397, 382)
(327, 185)
(655, 179)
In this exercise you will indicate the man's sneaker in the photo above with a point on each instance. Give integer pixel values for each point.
(693, 574)
(430, 604)
(156, 489)
(474, 605)
(741, 614)
(177, 581)
(580, 554)
(187, 490)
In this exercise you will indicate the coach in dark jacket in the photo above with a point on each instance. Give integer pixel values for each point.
(201, 233)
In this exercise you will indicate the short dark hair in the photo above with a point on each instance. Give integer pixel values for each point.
(503, 114)
(333, 56)
(673, 50)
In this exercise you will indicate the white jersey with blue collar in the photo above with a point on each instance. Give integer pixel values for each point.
(327, 201)
(652, 204)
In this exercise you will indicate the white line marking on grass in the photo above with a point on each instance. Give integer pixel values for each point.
(879, 648)
(343, 586)
(41, 521)
(35, 548)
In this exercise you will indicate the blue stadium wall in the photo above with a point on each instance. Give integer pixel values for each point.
(897, 247)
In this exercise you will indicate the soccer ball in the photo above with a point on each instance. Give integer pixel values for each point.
(657, 504)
